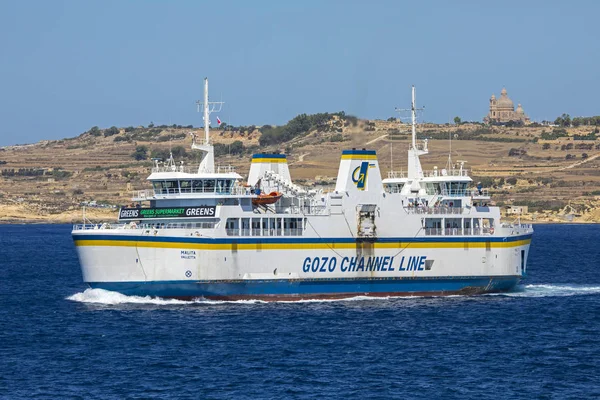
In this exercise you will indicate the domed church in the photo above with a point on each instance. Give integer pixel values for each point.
(502, 110)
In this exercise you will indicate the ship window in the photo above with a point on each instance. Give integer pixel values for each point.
(209, 186)
(197, 185)
(170, 187)
(157, 187)
(209, 223)
(292, 227)
(220, 185)
(232, 226)
(393, 187)
(433, 188)
(453, 226)
(255, 226)
(186, 186)
(245, 226)
(433, 226)
(487, 224)
(275, 226)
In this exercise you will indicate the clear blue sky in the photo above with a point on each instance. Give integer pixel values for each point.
(66, 66)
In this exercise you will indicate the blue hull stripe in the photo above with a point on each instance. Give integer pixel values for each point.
(287, 240)
(311, 288)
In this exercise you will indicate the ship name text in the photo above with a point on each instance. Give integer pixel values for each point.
(362, 263)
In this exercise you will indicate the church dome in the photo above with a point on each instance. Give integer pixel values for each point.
(504, 101)
(519, 110)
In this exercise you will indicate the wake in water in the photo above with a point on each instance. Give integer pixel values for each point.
(548, 290)
(106, 297)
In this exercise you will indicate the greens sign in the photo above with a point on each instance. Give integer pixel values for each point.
(126, 214)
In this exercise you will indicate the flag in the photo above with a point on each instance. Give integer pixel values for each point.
(218, 121)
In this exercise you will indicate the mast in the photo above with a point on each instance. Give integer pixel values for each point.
(414, 165)
(208, 107)
(206, 113)
(414, 118)
(207, 163)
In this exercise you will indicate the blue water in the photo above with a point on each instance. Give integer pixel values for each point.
(59, 340)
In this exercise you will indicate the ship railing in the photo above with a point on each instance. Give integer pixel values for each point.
(521, 226)
(396, 174)
(225, 169)
(143, 194)
(101, 226)
(457, 231)
(308, 209)
(480, 193)
(188, 169)
(446, 172)
(168, 192)
(226, 190)
(265, 232)
(175, 168)
(454, 193)
(433, 231)
(156, 225)
(434, 210)
(421, 145)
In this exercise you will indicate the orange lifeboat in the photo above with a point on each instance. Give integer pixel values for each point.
(264, 199)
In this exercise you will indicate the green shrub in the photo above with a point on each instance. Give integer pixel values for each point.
(140, 153)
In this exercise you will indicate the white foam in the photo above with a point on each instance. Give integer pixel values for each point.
(106, 297)
(549, 290)
(101, 296)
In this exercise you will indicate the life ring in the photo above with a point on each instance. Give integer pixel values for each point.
(491, 231)
(133, 225)
(197, 233)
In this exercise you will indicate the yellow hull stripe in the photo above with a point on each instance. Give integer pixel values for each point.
(359, 157)
(300, 246)
(269, 160)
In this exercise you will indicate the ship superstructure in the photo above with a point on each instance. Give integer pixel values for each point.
(206, 233)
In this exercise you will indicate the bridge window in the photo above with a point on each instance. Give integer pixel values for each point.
(433, 188)
(166, 187)
(197, 186)
(393, 187)
(209, 186)
(186, 186)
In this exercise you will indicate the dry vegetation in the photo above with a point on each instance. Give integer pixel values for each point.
(558, 179)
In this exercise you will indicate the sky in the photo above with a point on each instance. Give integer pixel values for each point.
(66, 66)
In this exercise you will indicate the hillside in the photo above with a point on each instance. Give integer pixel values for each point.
(554, 171)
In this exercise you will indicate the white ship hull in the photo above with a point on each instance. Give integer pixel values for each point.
(298, 268)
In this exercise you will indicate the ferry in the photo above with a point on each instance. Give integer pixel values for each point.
(206, 232)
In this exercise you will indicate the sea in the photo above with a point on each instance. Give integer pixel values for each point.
(59, 340)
